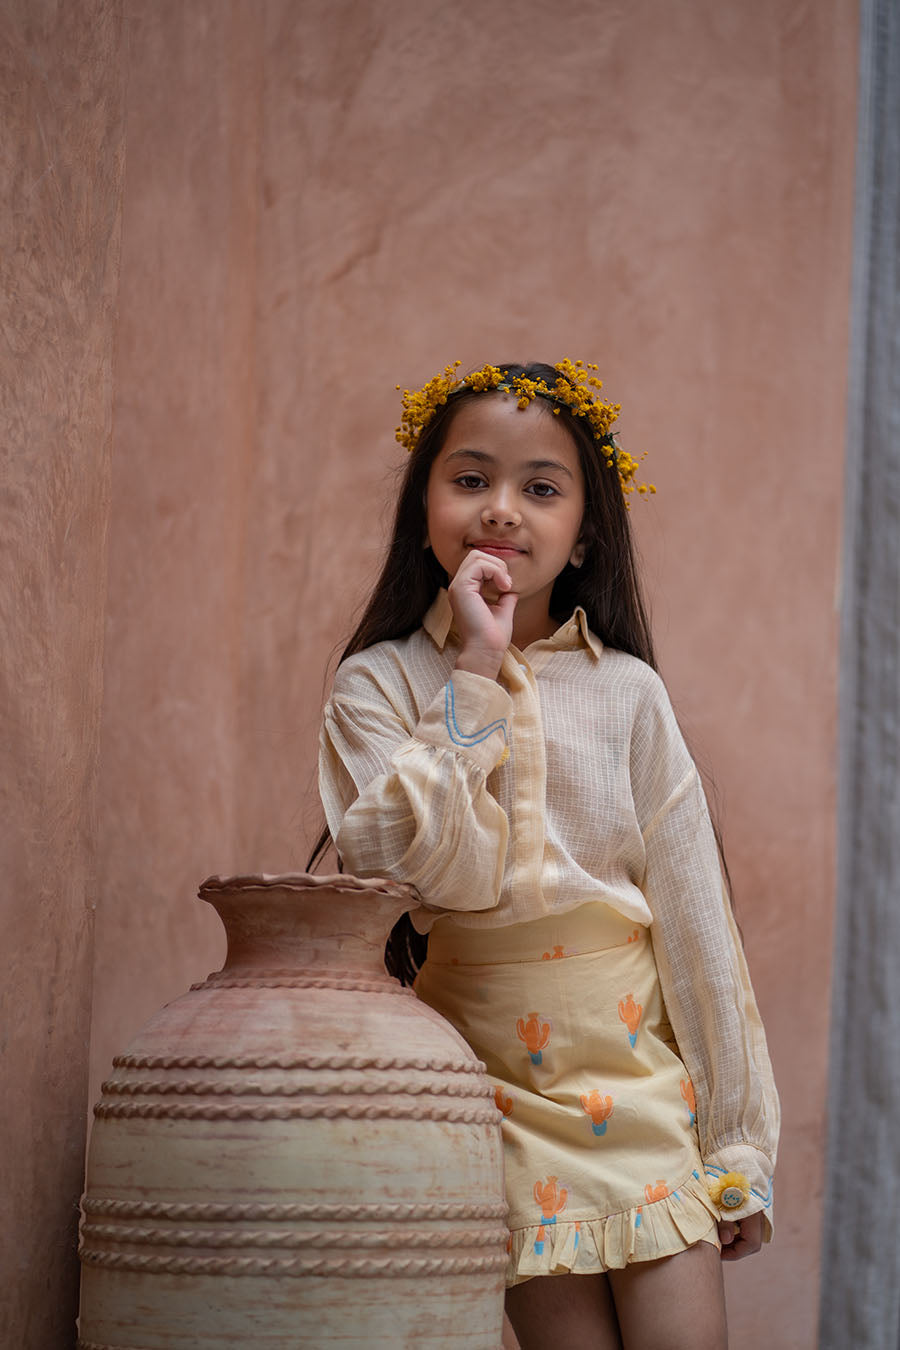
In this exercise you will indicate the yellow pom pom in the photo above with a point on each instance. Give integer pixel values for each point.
(730, 1191)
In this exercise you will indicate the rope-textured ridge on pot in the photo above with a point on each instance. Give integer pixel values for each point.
(340, 1266)
(301, 1111)
(320, 1239)
(198, 1087)
(212, 1212)
(311, 1062)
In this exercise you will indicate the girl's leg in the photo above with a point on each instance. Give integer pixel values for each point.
(676, 1303)
(550, 1311)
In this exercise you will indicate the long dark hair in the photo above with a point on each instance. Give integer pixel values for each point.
(606, 585)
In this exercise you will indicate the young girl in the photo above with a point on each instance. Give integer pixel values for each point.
(498, 737)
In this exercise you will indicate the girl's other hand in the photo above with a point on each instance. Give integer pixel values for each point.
(483, 605)
(741, 1238)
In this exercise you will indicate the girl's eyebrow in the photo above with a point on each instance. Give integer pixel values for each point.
(536, 465)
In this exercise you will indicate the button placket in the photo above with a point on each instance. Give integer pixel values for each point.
(527, 823)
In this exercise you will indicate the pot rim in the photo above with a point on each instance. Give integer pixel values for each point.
(306, 881)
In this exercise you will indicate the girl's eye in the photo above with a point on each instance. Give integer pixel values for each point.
(470, 480)
(543, 490)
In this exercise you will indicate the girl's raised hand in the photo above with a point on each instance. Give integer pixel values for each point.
(483, 605)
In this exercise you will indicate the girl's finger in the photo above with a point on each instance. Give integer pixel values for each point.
(482, 566)
(505, 605)
(741, 1239)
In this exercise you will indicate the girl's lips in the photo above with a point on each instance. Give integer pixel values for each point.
(500, 550)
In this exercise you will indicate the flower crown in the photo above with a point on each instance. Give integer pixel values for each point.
(574, 389)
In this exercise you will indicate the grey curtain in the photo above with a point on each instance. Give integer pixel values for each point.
(860, 1307)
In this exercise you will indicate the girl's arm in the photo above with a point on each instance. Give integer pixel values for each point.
(408, 799)
(705, 982)
(410, 802)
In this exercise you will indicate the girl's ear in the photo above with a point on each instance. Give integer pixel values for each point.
(426, 542)
(576, 557)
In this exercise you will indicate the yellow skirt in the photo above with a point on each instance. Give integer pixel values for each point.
(600, 1142)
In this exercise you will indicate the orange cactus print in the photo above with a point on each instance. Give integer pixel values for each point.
(504, 1104)
(599, 1109)
(551, 1198)
(658, 1192)
(690, 1101)
(635, 936)
(535, 1035)
(630, 1013)
(556, 955)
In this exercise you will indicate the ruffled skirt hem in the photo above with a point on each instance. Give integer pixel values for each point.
(655, 1229)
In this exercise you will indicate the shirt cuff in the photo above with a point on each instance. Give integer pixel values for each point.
(750, 1165)
(471, 714)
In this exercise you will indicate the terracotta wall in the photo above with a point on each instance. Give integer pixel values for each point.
(61, 160)
(324, 199)
(173, 803)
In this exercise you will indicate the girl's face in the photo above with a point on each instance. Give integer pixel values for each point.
(508, 481)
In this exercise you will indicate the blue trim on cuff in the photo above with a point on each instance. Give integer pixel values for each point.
(459, 737)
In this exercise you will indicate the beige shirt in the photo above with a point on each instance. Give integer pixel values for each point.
(565, 780)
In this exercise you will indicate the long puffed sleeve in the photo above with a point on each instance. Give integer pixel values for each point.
(405, 792)
(704, 978)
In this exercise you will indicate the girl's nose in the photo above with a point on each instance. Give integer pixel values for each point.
(500, 515)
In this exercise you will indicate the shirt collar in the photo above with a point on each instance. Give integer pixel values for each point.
(438, 624)
(439, 619)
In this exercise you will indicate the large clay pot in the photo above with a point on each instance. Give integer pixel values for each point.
(297, 1152)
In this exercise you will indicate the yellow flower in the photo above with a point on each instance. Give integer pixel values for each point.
(574, 389)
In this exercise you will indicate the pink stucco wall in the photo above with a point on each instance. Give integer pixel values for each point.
(61, 162)
(325, 199)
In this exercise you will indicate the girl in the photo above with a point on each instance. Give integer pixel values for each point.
(498, 737)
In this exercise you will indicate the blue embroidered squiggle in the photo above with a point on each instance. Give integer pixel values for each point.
(459, 737)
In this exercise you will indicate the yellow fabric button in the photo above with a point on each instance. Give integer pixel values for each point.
(730, 1191)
